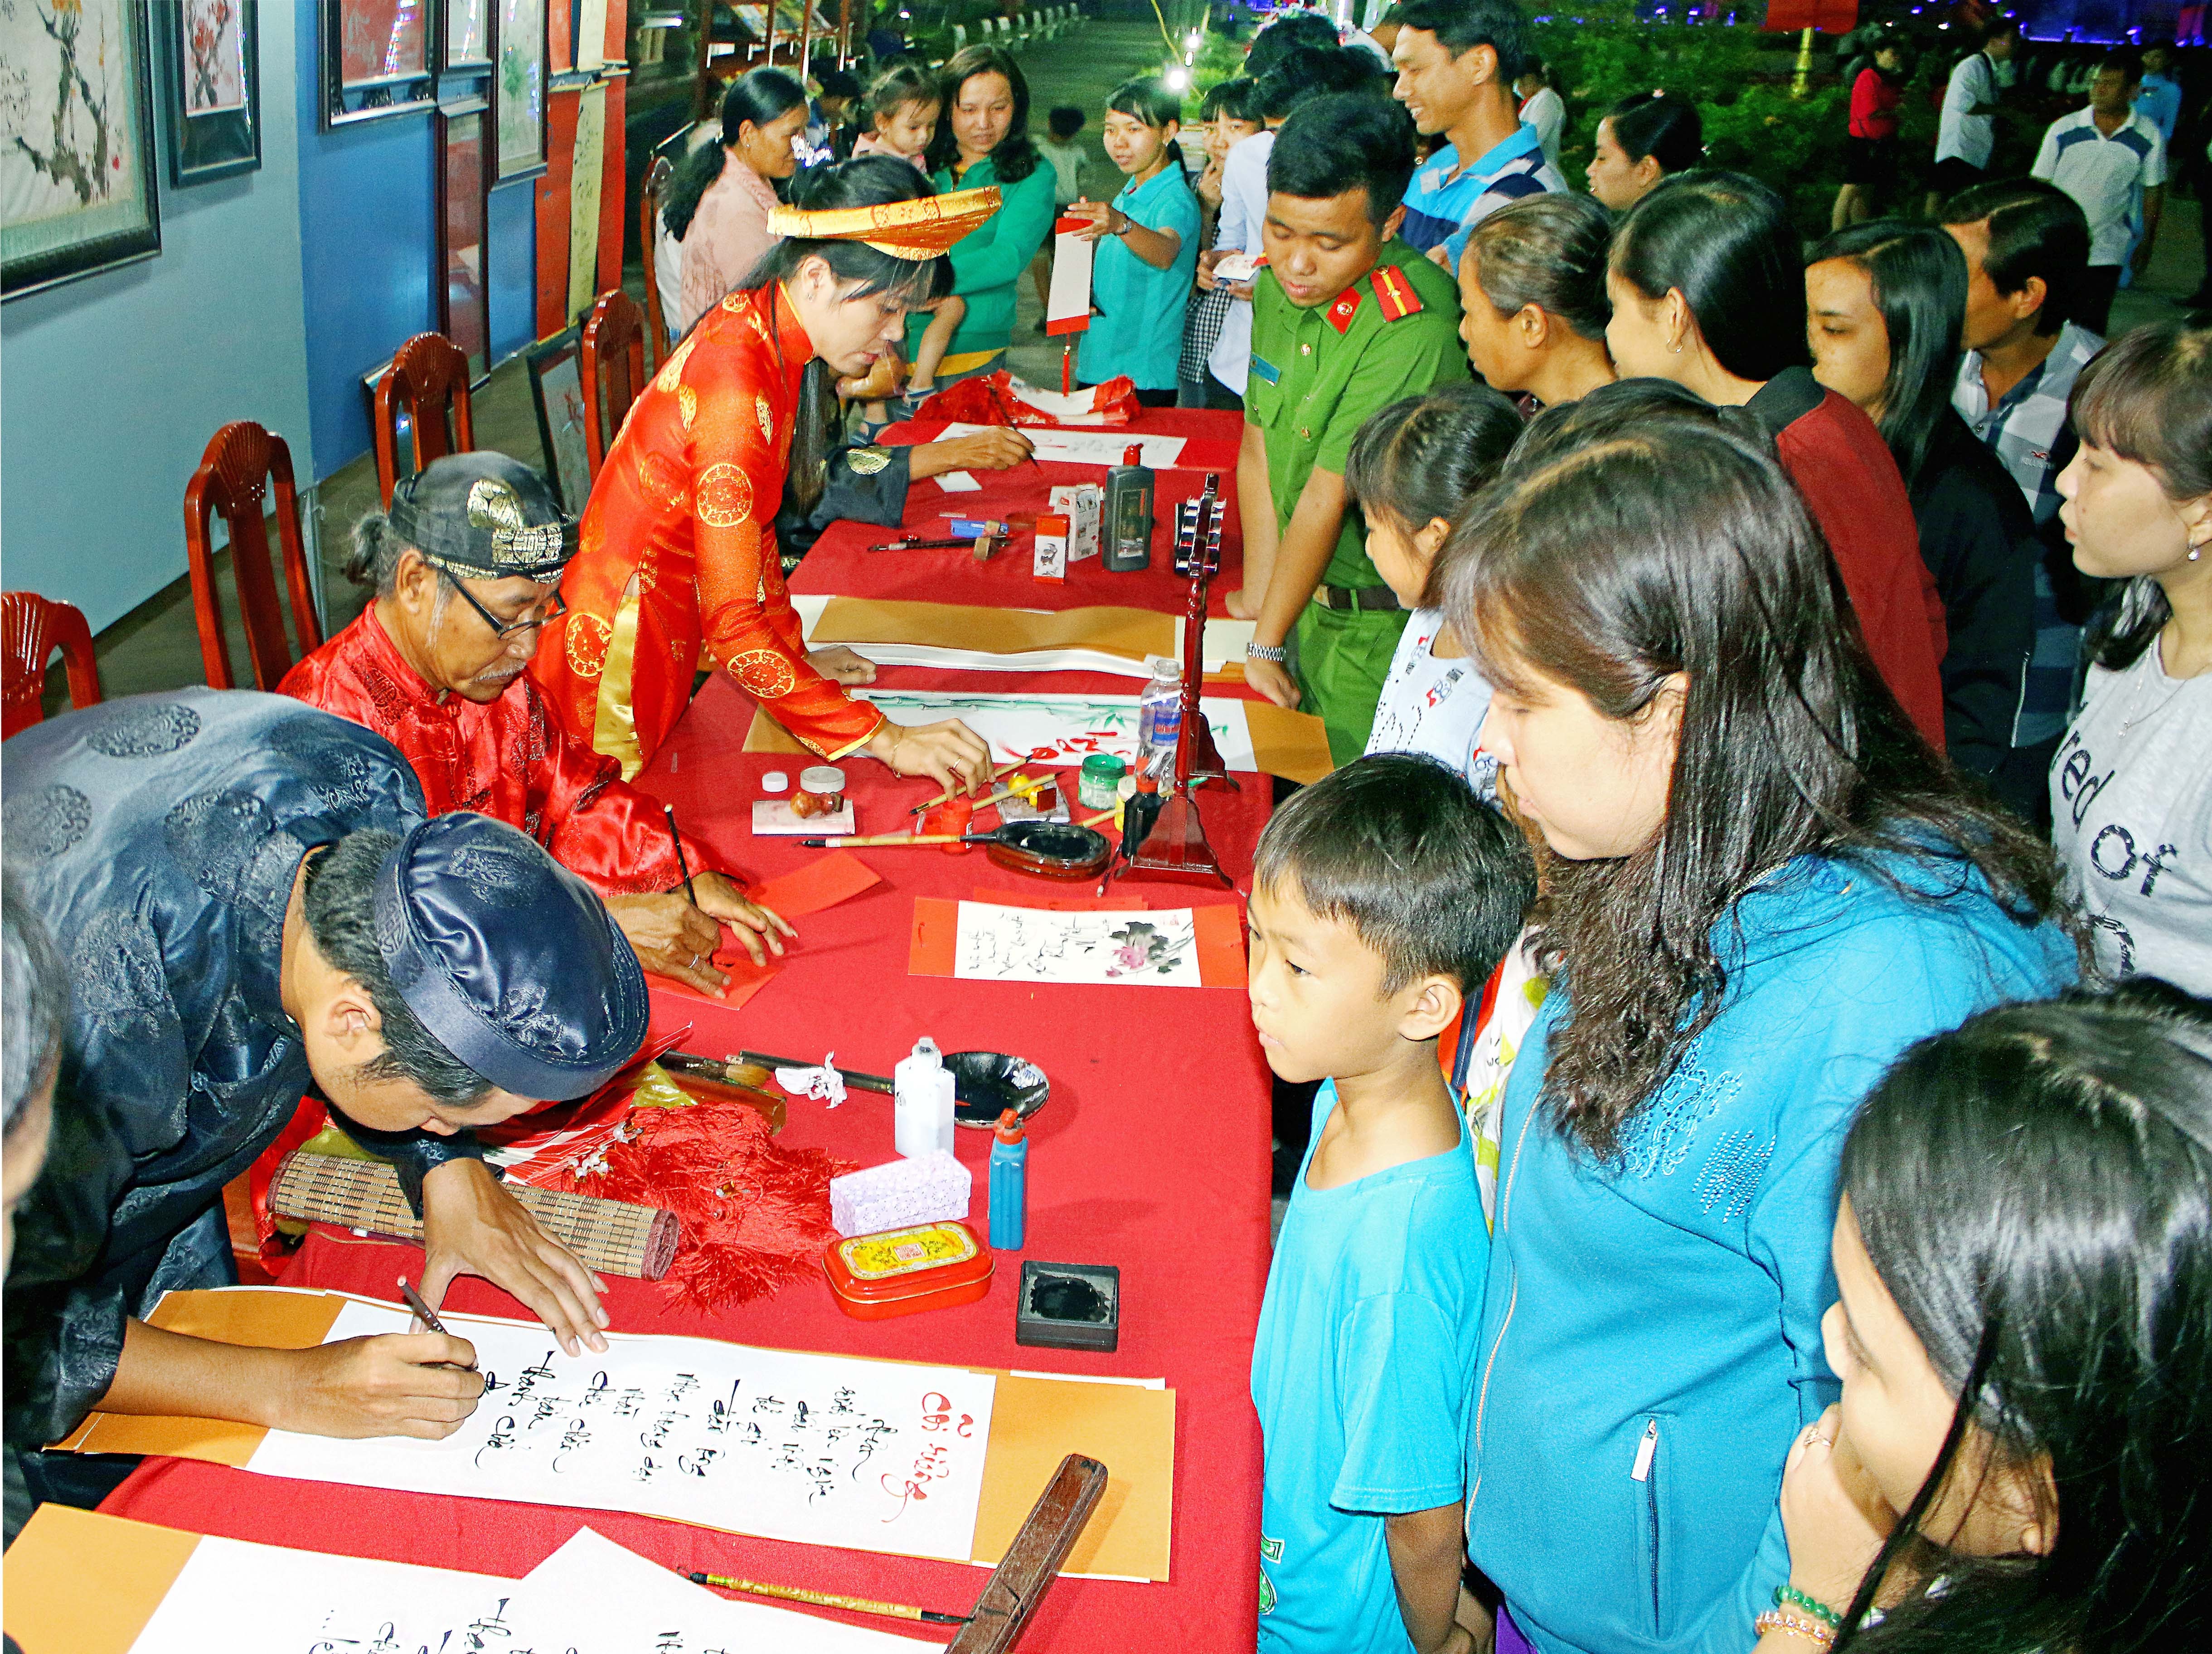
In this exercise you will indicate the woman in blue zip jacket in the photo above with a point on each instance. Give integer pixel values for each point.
(1762, 886)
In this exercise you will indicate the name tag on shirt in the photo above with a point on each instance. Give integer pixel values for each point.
(1267, 370)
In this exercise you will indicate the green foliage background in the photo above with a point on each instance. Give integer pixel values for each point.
(1739, 77)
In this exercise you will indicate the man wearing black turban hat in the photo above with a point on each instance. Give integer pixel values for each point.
(451, 689)
(249, 903)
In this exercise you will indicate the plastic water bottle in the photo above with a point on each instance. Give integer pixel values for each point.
(1160, 718)
(921, 1094)
(1010, 1162)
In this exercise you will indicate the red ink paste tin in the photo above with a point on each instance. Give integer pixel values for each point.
(930, 1266)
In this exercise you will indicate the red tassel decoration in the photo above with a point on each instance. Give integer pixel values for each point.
(756, 1215)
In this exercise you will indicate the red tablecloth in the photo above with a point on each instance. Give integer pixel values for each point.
(1153, 1155)
(841, 565)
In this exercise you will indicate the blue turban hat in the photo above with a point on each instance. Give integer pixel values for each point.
(508, 958)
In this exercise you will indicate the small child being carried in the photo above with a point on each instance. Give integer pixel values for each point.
(900, 115)
(1382, 896)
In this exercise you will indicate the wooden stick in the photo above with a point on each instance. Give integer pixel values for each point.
(1034, 1561)
(829, 1599)
(945, 797)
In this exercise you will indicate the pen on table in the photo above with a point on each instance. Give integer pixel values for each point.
(682, 865)
(426, 1314)
(829, 1599)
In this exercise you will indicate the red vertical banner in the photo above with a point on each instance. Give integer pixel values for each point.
(553, 185)
(613, 208)
(560, 38)
(617, 49)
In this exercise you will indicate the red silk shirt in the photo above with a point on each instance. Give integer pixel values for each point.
(507, 759)
(677, 565)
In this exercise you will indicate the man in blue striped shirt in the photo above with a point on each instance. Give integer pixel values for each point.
(1457, 61)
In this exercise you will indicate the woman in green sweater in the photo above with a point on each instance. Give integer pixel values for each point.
(983, 140)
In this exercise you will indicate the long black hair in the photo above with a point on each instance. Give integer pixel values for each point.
(1919, 278)
(1726, 241)
(863, 182)
(2034, 1189)
(1016, 157)
(2147, 397)
(1659, 125)
(758, 96)
(1666, 542)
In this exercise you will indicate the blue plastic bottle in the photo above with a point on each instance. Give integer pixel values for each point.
(1010, 1163)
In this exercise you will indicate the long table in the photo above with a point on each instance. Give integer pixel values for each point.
(1153, 1155)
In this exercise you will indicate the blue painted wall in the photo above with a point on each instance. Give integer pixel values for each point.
(113, 384)
(365, 245)
(511, 235)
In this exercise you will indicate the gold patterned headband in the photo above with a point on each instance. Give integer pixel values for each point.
(917, 230)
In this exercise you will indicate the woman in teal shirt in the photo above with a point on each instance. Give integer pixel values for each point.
(1148, 242)
(985, 140)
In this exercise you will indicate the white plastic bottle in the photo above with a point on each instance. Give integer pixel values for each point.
(921, 1101)
(1159, 719)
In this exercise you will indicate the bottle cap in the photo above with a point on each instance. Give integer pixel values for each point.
(774, 781)
(1133, 454)
(1009, 1128)
(1148, 782)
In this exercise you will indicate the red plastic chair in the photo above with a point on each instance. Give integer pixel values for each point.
(244, 466)
(429, 378)
(31, 629)
(648, 221)
(612, 367)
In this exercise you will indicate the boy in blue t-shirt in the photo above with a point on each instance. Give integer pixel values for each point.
(1383, 896)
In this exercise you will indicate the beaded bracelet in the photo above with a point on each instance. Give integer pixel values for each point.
(1786, 1620)
(1791, 1597)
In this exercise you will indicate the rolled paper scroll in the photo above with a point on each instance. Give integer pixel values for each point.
(614, 1236)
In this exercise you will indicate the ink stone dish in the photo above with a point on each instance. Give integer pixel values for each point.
(1069, 1306)
(986, 1084)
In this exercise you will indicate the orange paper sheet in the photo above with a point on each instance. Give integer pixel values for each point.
(80, 1583)
(1035, 1423)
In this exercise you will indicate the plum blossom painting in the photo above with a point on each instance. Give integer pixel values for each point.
(211, 54)
(77, 140)
(214, 55)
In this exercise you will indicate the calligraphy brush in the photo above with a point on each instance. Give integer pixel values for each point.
(757, 1068)
(426, 1314)
(945, 797)
(886, 840)
(829, 1599)
(682, 865)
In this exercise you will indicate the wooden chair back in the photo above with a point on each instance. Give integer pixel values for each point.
(244, 466)
(429, 379)
(612, 367)
(648, 228)
(31, 629)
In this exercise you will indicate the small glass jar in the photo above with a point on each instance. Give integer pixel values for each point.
(1096, 781)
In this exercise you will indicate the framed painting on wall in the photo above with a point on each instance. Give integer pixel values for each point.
(376, 59)
(211, 72)
(463, 302)
(518, 88)
(77, 141)
(556, 385)
(468, 35)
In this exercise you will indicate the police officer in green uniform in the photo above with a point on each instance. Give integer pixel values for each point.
(1347, 319)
